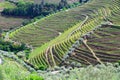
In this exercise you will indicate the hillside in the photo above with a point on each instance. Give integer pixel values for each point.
(9, 22)
(76, 43)
(99, 47)
(49, 27)
(52, 54)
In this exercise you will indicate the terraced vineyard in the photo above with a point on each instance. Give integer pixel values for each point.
(95, 16)
(66, 45)
(88, 17)
(101, 46)
(48, 28)
(9, 22)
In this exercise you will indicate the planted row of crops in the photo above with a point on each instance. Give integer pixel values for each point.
(46, 29)
(52, 53)
(105, 44)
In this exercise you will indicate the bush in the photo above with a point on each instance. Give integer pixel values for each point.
(42, 67)
(34, 77)
(12, 46)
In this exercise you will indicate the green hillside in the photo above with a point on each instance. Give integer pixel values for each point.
(80, 43)
(48, 28)
(51, 54)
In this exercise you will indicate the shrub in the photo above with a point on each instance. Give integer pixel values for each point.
(34, 77)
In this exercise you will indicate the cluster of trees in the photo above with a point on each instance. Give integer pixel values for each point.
(26, 9)
(81, 1)
(32, 10)
(12, 46)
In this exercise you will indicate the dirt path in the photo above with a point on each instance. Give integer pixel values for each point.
(79, 26)
(94, 54)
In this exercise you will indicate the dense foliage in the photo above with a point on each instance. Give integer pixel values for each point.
(32, 10)
(11, 70)
(98, 72)
(12, 46)
(28, 9)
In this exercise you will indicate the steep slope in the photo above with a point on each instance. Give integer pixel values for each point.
(99, 47)
(48, 28)
(9, 22)
(95, 13)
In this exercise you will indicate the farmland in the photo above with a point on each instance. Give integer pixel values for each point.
(60, 45)
(79, 43)
(52, 24)
(8, 22)
(36, 33)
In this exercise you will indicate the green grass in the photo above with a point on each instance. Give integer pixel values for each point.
(6, 4)
(11, 70)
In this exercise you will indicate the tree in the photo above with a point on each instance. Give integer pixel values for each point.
(62, 4)
(80, 1)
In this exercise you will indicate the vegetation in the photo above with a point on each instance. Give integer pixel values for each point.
(49, 1)
(99, 72)
(51, 54)
(6, 5)
(12, 46)
(11, 70)
(28, 9)
(7, 23)
(74, 44)
(42, 32)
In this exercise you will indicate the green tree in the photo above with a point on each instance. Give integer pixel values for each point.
(62, 4)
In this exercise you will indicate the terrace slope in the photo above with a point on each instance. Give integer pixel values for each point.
(99, 47)
(48, 28)
(95, 14)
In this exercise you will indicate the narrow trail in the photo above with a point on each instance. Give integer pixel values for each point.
(94, 54)
(52, 56)
(46, 55)
(49, 51)
(79, 26)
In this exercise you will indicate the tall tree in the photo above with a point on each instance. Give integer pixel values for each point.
(63, 3)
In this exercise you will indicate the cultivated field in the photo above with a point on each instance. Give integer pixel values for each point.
(101, 46)
(8, 22)
(81, 43)
(48, 28)
(52, 53)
